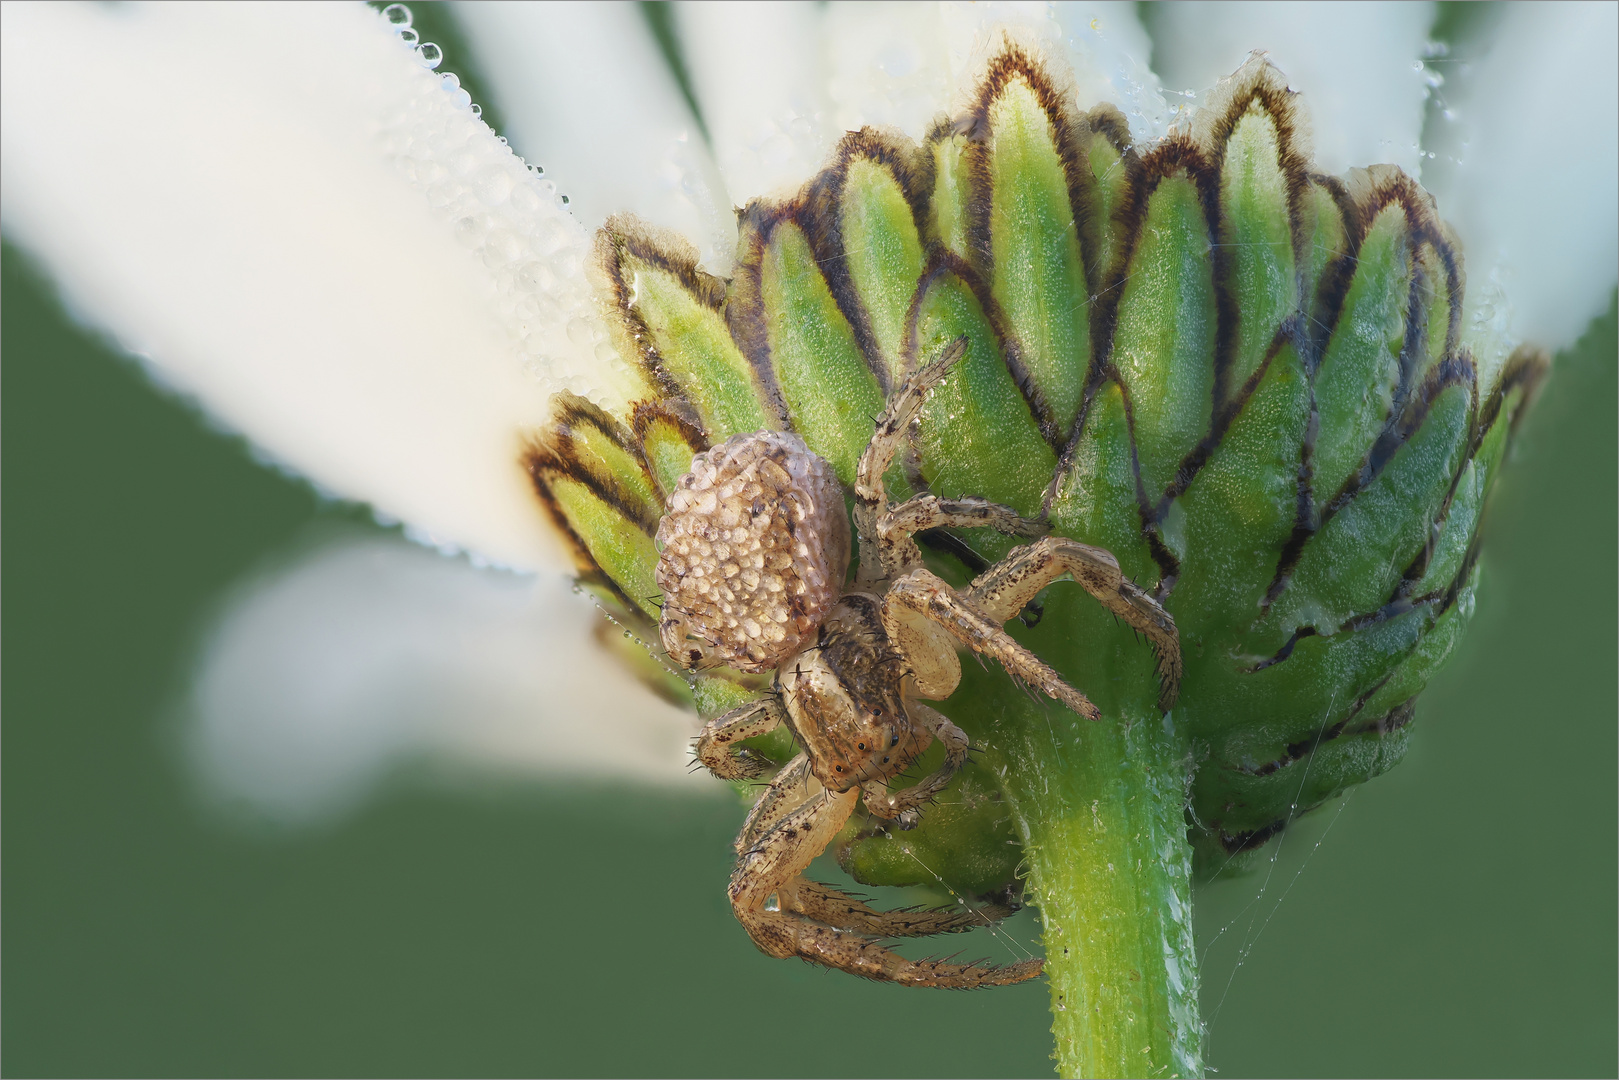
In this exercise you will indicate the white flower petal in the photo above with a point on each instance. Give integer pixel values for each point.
(1103, 43)
(321, 676)
(586, 93)
(244, 195)
(1533, 191)
(905, 65)
(1357, 64)
(1112, 55)
(887, 66)
(757, 72)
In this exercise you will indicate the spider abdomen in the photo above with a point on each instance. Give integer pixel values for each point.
(754, 547)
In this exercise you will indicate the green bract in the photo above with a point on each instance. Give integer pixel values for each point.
(1257, 386)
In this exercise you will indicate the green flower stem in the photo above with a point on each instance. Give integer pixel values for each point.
(1100, 808)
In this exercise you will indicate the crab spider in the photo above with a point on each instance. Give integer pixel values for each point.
(755, 550)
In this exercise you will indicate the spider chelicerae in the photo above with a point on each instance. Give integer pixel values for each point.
(755, 550)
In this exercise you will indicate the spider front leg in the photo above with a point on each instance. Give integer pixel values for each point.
(897, 551)
(924, 592)
(871, 497)
(1001, 592)
(770, 867)
(905, 805)
(716, 744)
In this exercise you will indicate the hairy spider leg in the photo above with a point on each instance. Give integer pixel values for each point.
(773, 864)
(904, 804)
(1001, 592)
(871, 497)
(824, 904)
(786, 793)
(716, 744)
(896, 526)
(923, 591)
(838, 909)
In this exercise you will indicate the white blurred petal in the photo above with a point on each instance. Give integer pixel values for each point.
(587, 94)
(757, 72)
(887, 66)
(291, 219)
(1103, 43)
(321, 676)
(1107, 43)
(1357, 64)
(1533, 193)
(905, 64)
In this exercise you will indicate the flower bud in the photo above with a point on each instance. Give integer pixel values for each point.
(1258, 386)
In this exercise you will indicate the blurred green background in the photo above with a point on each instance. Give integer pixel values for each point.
(1456, 917)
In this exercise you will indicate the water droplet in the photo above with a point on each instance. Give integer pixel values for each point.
(579, 332)
(564, 199)
(450, 82)
(469, 231)
(1417, 65)
(477, 110)
(493, 184)
(409, 36)
(429, 55)
(502, 249)
(534, 276)
(397, 15)
(605, 353)
(441, 195)
(524, 199)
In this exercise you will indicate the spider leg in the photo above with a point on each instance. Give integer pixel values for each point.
(837, 909)
(1002, 591)
(771, 865)
(923, 591)
(898, 524)
(788, 790)
(905, 805)
(715, 747)
(903, 405)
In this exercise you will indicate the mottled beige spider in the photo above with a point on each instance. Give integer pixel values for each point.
(754, 553)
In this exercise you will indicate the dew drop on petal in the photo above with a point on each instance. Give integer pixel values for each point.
(469, 231)
(440, 195)
(524, 199)
(477, 110)
(397, 15)
(492, 183)
(501, 249)
(408, 36)
(429, 55)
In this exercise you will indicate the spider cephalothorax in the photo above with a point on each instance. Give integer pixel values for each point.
(755, 550)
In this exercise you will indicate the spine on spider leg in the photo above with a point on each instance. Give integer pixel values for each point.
(1101, 810)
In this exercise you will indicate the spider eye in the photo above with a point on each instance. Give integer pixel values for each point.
(894, 741)
(838, 767)
(859, 746)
